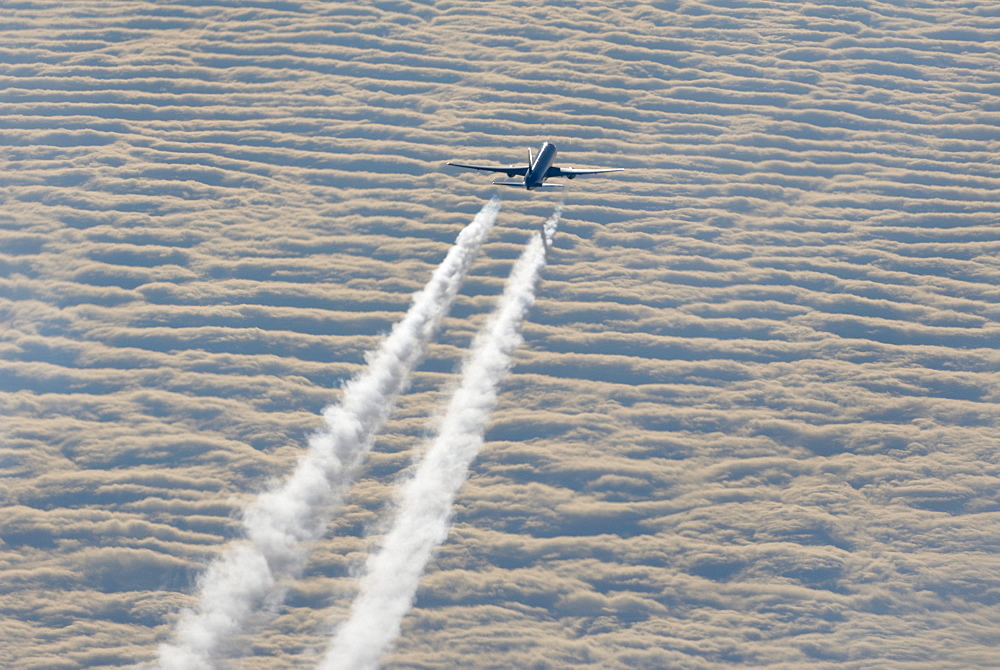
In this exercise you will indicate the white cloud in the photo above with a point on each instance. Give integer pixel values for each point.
(756, 404)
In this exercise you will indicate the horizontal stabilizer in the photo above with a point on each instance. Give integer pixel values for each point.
(519, 184)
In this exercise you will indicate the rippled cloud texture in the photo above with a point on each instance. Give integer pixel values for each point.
(753, 420)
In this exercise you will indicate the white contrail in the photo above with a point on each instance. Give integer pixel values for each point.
(388, 588)
(250, 575)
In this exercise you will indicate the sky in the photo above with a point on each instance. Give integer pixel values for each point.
(753, 419)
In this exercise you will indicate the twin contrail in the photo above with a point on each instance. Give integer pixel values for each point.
(421, 524)
(250, 575)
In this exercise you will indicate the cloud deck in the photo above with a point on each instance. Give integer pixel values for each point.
(754, 418)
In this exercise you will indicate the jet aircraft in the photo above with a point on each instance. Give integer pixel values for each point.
(538, 169)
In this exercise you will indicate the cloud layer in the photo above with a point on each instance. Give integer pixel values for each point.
(754, 419)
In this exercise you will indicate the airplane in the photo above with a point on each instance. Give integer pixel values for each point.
(538, 169)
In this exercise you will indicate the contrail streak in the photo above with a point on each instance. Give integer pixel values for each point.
(388, 588)
(249, 576)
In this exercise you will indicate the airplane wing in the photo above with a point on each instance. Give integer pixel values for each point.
(511, 170)
(573, 172)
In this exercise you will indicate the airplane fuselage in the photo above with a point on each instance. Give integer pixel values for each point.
(540, 166)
